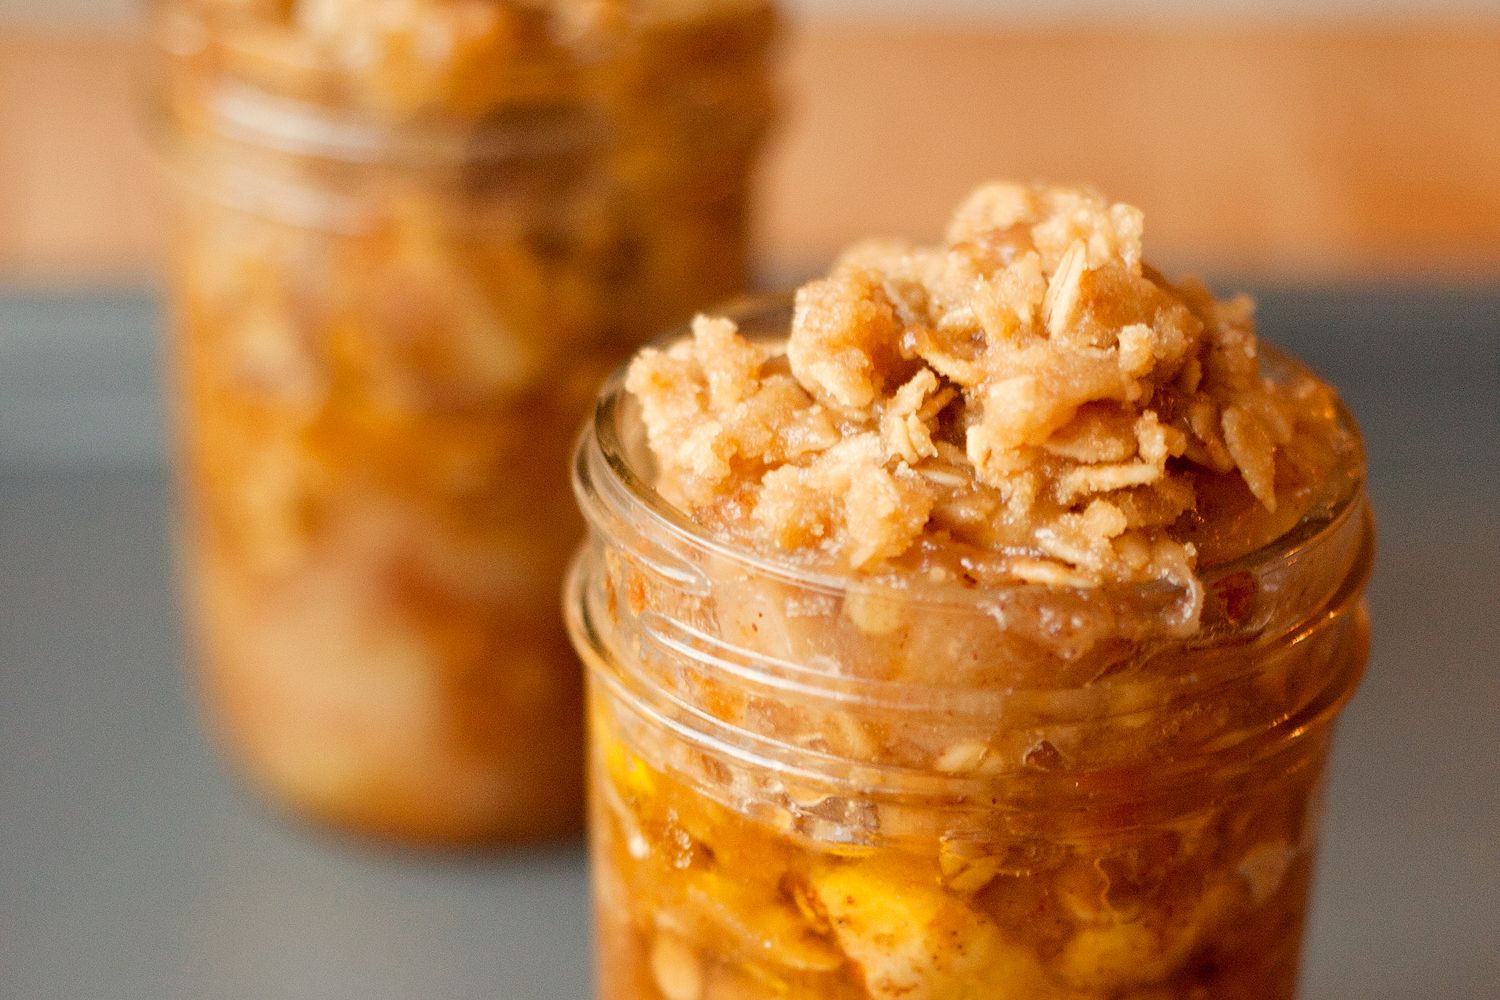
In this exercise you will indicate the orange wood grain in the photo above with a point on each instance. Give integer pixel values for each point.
(1305, 153)
(79, 196)
(1309, 153)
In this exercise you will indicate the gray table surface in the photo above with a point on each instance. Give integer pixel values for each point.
(131, 866)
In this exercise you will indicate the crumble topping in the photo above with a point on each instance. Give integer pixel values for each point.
(1028, 400)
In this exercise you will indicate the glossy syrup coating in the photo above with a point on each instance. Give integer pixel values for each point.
(697, 900)
(902, 689)
(1146, 832)
(411, 239)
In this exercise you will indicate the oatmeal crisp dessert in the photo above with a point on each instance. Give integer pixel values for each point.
(972, 625)
(411, 237)
(1015, 396)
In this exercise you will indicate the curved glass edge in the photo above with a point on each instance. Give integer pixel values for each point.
(1100, 698)
(1019, 791)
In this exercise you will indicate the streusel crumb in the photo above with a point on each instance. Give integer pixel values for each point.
(1028, 400)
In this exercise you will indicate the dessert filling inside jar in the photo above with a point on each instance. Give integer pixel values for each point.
(971, 624)
(411, 237)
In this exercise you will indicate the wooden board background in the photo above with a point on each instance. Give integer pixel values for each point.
(1304, 153)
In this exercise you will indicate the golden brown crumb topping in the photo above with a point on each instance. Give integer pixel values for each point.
(1029, 398)
(461, 59)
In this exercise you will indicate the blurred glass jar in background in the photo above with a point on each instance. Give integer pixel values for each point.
(411, 237)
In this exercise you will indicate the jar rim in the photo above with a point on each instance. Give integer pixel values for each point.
(564, 117)
(245, 114)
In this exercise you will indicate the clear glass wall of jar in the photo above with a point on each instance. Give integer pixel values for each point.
(410, 240)
(1054, 812)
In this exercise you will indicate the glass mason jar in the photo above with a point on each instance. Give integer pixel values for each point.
(805, 785)
(410, 240)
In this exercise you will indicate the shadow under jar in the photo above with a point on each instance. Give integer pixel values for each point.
(1092, 799)
(398, 275)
